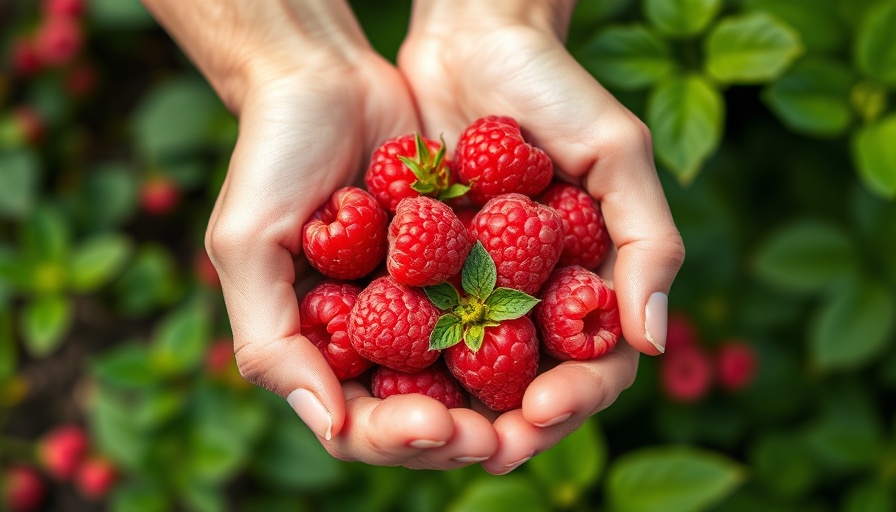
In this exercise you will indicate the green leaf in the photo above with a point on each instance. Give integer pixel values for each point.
(180, 340)
(453, 191)
(138, 497)
(783, 464)
(8, 352)
(819, 24)
(45, 321)
(19, 175)
(291, 457)
(875, 155)
(573, 465)
(120, 14)
(670, 478)
(848, 436)
(447, 332)
(109, 195)
(508, 304)
(97, 260)
(875, 47)
(853, 326)
(630, 57)
(47, 235)
(751, 48)
(685, 115)
(870, 497)
(869, 100)
(499, 494)
(479, 274)
(127, 366)
(813, 97)
(149, 281)
(681, 18)
(443, 296)
(474, 336)
(214, 457)
(806, 256)
(114, 430)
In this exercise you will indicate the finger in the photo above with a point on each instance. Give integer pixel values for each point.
(474, 441)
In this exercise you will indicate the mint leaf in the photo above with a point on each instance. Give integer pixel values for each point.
(443, 296)
(447, 332)
(751, 48)
(479, 274)
(508, 304)
(473, 337)
(628, 57)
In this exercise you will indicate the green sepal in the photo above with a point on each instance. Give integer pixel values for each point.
(474, 336)
(479, 274)
(418, 168)
(423, 189)
(443, 296)
(508, 304)
(454, 191)
(448, 332)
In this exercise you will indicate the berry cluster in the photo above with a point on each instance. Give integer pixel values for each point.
(482, 262)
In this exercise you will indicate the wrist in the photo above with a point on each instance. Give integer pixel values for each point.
(547, 16)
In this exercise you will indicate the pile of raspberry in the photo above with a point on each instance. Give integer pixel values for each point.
(452, 277)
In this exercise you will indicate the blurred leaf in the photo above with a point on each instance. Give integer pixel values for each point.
(875, 47)
(19, 177)
(853, 326)
(158, 406)
(215, 456)
(109, 195)
(126, 366)
(203, 498)
(629, 57)
(848, 436)
(47, 235)
(670, 478)
(115, 432)
(97, 260)
(870, 497)
(685, 116)
(274, 502)
(291, 457)
(818, 22)
(869, 100)
(751, 48)
(875, 155)
(813, 97)
(149, 281)
(783, 464)
(854, 11)
(806, 256)
(120, 14)
(45, 321)
(138, 497)
(681, 18)
(180, 340)
(498, 494)
(573, 465)
(188, 173)
(8, 352)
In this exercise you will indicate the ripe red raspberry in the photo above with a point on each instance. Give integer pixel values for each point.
(61, 450)
(494, 159)
(391, 323)
(686, 374)
(159, 195)
(586, 239)
(434, 381)
(523, 237)
(427, 242)
(95, 478)
(71, 8)
(736, 364)
(58, 40)
(21, 489)
(325, 312)
(577, 317)
(501, 370)
(346, 237)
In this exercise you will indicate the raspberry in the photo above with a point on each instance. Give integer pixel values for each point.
(159, 195)
(325, 312)
(494, 159)
(680, 332)
(585, 235)
(578, 317)
(21, 489)
(427, 242)
(390, 325)
(58, 40)
(686, 374)
(346, 238)
(62, 449)
(219, 357)
(25, 60)
(95, 478)
(71, 8)
(736, 364)
(434, 381)
(524, 238)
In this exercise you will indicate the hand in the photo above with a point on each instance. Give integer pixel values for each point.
(313, 100)
(464, 60)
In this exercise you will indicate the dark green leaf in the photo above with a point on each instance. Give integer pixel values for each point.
(848, 435)
(45, 321)
(8, 351)
(875, 48)
(443, 296)
(573, 465)
(214, 456)
(47, 235)
(150, 281)
(870, 497)
(200, 497)
(875, 155)
(127, 366)
(473, 336)
(180, 341)
(681, 18)
(479, 273)
(138, 497)
(291, 457)
(630, 57)
(19, 175)
(783, 465)
(508, 304)
(109, 195)
(120, 14)
(500, 494)
(751, 48)
(97, 260)
(115, 432)
(157, 406)
(819, 24)
(447, 332)
(813, 97)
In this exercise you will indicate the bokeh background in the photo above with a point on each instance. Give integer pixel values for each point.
(775, 136)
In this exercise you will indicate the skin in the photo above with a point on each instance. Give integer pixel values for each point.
(313, 100)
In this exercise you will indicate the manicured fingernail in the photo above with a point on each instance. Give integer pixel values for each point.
(554, 421)
(470, 460)
(426, 443)
(312, 412)
(510, 467)
(657, 315)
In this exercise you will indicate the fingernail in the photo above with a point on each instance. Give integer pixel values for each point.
(656, 316)
(510, 467)
(426, 443)
(554, 421)
(312, 412)
(470, 460)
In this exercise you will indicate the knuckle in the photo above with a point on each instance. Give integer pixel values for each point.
(228, 235)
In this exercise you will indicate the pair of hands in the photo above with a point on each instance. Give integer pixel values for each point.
(308, 123)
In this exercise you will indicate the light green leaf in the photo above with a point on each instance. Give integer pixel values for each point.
(97, 260)
(869, 100)
(447, 332)
(45, 321)
(47, 235)
(479, 274)
(474, 335)
(819, 24)
(138, 497)
(875, 47)
(875, 155)
(685, 116)
(508, 304)
(630, 57)
(670, 478)
(813, 97)
(573, 465)
(681, 18)
(443, 296)
(19, 174)
(751, 48)
(126, 366)
(453, 191)
(500, 494)
(180, 340)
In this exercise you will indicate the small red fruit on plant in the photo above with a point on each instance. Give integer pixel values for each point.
(686, 374)
(346, 237)
(427, 242)
(680, 333)
(159, 195)
(325, 313)
(25, 60)
(95, 478)
(494, 159)
(523, 237)
(81, 79)
(61, 450)
(70, 8)
(21, 489)
(585, 235)
(219, 357)
(433, 381)
(736, 364)
(58, 40)
(390, 325)
(577, 317)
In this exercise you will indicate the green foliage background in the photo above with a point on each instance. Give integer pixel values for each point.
(775, 137)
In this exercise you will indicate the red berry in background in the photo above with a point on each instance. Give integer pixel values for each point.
(69, 8)
(81, 79)
(736, 365)
(95, 478)
(205, 270)
(523, 237)
(61, 450)
(493, 159)
(577, 317)
(58, 40)
(25, 60)
(219, 357)
(346, 237)
(585, 235)
(159, 195)
(21, 489)
(434, 381)
(680, 332)
(686, 374)
(325, 314)
(391, 323)
(29, 124)
(427, 242)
